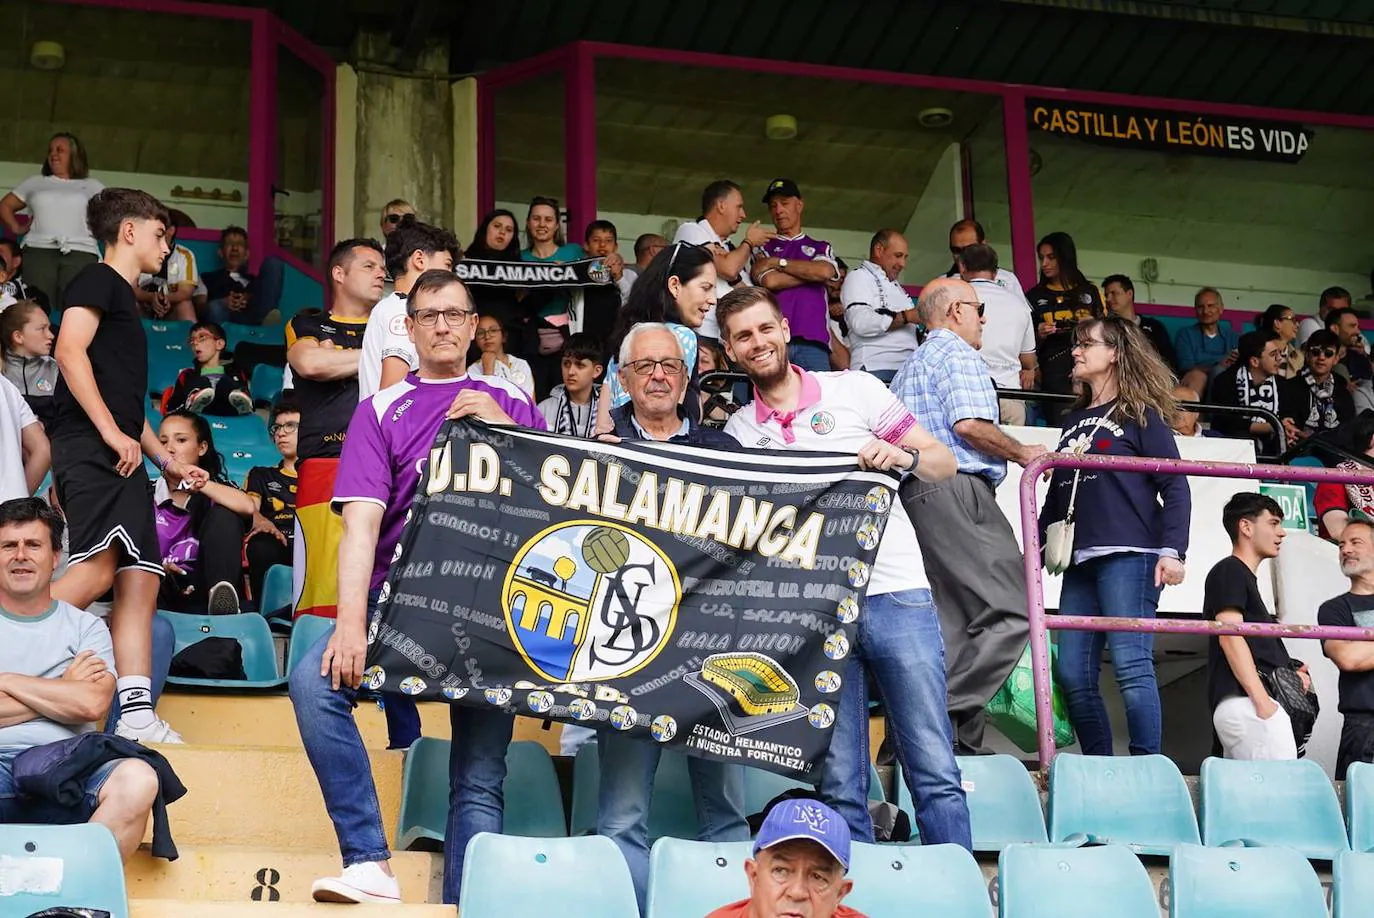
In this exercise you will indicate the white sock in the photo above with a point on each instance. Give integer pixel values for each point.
(136, 701)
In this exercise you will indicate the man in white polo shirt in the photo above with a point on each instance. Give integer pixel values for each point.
(879, 313)
(388, 355)
(898, 633)
(722, 208)
(25, 454)
(1009, 335)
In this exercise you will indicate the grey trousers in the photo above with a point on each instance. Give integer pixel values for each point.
(976, 574)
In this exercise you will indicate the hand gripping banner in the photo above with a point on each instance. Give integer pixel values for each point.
(694, 598)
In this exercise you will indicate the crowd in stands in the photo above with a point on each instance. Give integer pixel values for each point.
(836, 359)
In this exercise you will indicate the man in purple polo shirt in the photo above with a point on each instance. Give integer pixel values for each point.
(388, 440)
(796, 268)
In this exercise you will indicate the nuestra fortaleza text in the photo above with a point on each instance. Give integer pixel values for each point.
(694, 598)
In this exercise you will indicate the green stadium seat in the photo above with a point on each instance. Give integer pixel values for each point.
(266, 383)
(689, 879)
(1141, 802)
(1244, 883)
(85, 869)
(1052, 881)
(915, 880)
(672, 810)
(1359, 806)
(305, 632)
(1352, 881)
(276, 592)
(1003, 804)
(506, 875)
(534, 803)
(248, 628)
(1290, 804)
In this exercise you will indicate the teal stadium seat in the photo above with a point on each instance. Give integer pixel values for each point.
(266, 382)
(1243, 883)
(305, 632)
(166, 331)
(239, 461)
(79, 867)
(1141, 802)
(235, 334)
(276, 592)
(689, 879)
(915, 880)
(1359, 805)
(249, 431)
(248, 628)
(165, 363)
(1352, 881)
(1289, 804)
(762, 786)
(1003, 804)
(534, 803)
(672, 810)
(1051, 881)
(506, 876)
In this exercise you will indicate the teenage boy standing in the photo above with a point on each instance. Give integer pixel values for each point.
(97, 434)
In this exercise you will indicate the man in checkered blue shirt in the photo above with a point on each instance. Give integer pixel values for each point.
(970, 553)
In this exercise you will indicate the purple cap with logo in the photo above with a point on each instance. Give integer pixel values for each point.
(805, 819)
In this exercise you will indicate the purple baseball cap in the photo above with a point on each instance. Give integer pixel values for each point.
(808, 819)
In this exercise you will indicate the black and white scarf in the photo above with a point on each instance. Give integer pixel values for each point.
(566, 420)
(1321, 414)
(1264, 395)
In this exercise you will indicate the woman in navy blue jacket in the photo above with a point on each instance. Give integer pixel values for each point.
(1131, 529)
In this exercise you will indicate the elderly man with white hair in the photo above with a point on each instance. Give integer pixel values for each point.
(653, 371)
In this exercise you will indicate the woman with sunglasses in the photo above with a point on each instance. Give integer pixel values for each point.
(545, 311)
(1329, 402)
(1129, 529)
(678, 288)
(1282, 321)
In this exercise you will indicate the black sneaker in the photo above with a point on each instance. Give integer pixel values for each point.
(223, 599)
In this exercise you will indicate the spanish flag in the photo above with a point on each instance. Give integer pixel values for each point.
(319, 532)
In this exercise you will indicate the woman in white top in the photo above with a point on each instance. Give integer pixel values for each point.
(57, 243)
(491, 342)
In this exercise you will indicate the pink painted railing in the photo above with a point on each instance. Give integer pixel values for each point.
(1040, 622)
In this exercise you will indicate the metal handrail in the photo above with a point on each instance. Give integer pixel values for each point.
(1031, 395)
(1040, 622)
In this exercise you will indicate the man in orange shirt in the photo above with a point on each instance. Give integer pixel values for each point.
(800, 860)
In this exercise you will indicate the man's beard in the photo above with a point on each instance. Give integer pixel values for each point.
(1357, 566)
(772, 377)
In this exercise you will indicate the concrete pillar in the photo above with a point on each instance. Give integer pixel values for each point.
(404, 137)
(345, 152)
(465, 215)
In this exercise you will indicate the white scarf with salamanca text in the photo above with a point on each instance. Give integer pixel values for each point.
(1264, 395)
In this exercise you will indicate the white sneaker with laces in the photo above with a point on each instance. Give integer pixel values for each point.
(199, 400)
(359, 883)
(159, 731)
(241, 401)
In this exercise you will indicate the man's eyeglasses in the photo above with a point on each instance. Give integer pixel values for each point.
(430, 317)
(1321, 352)
(284, 427)
(672, 366)
(981, 307)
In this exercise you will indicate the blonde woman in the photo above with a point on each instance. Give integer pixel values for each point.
(1130, 528)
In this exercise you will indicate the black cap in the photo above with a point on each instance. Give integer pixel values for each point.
(782, 186)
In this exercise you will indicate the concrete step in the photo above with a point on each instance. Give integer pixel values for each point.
(268, 720)
(264, 797)
(168, 908)
(245, 874)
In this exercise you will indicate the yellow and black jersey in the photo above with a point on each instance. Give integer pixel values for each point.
(326, 405)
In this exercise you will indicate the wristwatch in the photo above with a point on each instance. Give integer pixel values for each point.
(782, 263)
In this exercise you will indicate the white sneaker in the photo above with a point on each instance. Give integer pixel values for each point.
(223, 599)
(159, 731)
(359, 883)
(241, 401)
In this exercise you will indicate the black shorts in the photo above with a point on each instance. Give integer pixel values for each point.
(104, 510)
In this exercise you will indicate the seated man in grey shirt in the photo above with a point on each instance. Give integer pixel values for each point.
(57, 680)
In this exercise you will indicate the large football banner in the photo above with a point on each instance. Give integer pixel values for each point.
(694, 598)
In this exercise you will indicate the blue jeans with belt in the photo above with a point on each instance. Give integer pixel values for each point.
(899, 643)
(1121, 585)
(628, 767)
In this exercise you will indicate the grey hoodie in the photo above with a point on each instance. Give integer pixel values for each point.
(36, 380)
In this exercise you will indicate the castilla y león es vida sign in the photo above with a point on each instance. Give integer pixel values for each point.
(1189, 133)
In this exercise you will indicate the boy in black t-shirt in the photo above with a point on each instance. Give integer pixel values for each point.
(274, 487)
(1249, 723)
(1355, 659)
(100, 435)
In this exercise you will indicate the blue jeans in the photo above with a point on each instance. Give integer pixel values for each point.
(164, 643)
(809, 355)
(266, 296)
(1120, 585)
(476, 779)
(628, 767)
(17, 809)
(899, 643)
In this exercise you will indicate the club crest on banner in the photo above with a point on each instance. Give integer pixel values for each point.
(587, 601)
